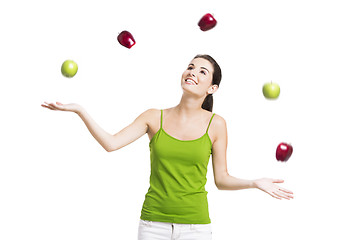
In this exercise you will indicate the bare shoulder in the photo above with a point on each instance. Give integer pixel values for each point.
(150, 114)
(219, 127)
(219, 121)
(152, 111)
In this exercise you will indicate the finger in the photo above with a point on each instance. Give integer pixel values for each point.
(45, 106)
(48, 105)
(284, 195)
(51, 104)
(289, 195)
(52, 107)
(280, 195)
(285, 190)
(275, 196)
(55, 105)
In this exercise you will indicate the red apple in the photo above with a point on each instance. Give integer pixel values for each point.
(126, 39)
(207, 22)
(283, 152)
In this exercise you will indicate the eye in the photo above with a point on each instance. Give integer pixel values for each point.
(203, 72)
(190, 67)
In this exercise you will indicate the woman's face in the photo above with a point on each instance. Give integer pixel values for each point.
(197, 78)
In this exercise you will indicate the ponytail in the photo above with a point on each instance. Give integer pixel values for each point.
(208, 103)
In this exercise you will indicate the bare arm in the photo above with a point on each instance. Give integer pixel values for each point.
(224, 181)
(101, 136)
(108, 141)
(132, 132)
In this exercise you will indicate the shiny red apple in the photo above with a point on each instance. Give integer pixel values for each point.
(283, 152)
(207, 22)
(126, 39)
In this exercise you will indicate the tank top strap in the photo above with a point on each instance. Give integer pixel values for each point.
(210, 122)
(161, 118)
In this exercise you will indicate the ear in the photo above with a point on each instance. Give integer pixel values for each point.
(212, 89)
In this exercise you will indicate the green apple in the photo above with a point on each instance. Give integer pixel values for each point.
(69, 68)
(271, 90)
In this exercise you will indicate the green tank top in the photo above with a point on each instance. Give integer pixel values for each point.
(177, 180)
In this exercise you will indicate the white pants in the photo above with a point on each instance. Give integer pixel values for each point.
(149, 230)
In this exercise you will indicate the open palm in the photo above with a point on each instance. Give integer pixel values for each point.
(268, 185)
(71, 107)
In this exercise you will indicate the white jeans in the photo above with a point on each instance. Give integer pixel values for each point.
(149, 230)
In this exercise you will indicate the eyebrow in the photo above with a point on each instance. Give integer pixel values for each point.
(200, 67)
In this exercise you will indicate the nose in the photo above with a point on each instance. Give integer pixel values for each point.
(192, 73)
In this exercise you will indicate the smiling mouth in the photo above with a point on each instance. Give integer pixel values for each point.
(190, 81)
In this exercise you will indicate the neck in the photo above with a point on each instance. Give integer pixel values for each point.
(189, 106)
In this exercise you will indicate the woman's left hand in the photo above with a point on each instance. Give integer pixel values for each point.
(268, 185)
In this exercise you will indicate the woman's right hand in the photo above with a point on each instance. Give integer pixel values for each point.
(71, 107)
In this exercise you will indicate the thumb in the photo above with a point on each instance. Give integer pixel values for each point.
(278, 180)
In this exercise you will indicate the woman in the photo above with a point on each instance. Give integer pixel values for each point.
(182, 138)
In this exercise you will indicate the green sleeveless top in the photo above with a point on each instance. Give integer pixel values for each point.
(177, 180)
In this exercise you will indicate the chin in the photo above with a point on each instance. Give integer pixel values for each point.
(186, 89)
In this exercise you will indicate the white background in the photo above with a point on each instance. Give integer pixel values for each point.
(56, 181)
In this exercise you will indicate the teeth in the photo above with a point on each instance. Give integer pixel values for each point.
(189, 80)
